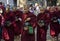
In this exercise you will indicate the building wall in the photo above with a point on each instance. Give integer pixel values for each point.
(21, 2)
(40, 2)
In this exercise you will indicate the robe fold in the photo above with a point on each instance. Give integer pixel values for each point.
(18, 22)
(54, 24)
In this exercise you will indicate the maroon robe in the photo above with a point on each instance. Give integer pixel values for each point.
(47, 18)
(41, 30)
(18, 23)
(58, 14)
(54, 26)
(1, 25)
(9, 17)
(25, 35)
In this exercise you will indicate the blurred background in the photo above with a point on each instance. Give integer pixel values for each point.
(43, 3)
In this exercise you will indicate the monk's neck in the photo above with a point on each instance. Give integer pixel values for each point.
(42, 12)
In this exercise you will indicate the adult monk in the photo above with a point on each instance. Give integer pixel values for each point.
(54, 24)
(18, 24)
(29, 22)
(41, 26)
(9, 21)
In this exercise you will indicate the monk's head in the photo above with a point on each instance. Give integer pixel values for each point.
(14, 8)
(48, 8)
(52, 9)
(7, 8)
(1, 11)
(25, 9)
(42, 10)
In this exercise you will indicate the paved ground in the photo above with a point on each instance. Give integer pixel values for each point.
(19, 39)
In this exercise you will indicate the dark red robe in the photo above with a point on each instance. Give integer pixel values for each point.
(1, 25)
(47, 18)
(18, 22)
(58, 14)
(41, 30)
(25, 34)
(54, 24)
(9, 18)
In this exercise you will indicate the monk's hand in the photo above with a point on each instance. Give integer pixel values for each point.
(25, 28)
(28, 19)
(40, 24)
(9, 24)
(19, 19)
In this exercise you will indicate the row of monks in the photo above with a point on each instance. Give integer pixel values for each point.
(15, 23)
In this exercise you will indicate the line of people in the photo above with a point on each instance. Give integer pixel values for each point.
(15, 23)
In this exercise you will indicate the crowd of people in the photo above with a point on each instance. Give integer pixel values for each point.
(16, 22)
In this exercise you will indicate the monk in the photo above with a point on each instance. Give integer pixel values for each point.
(9, 21)
(29, 22)
(18, 21)
(41, 26)
(54, 24)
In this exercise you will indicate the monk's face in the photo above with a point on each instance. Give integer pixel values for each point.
(25, 11)
(14, 8)
(1, 11)
(52, 9)
(7, 9)
(42, 11)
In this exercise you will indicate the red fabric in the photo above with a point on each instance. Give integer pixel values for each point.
(0, 19)
(5, 34)
(18, 24)
(52, 32)
(10, 29)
